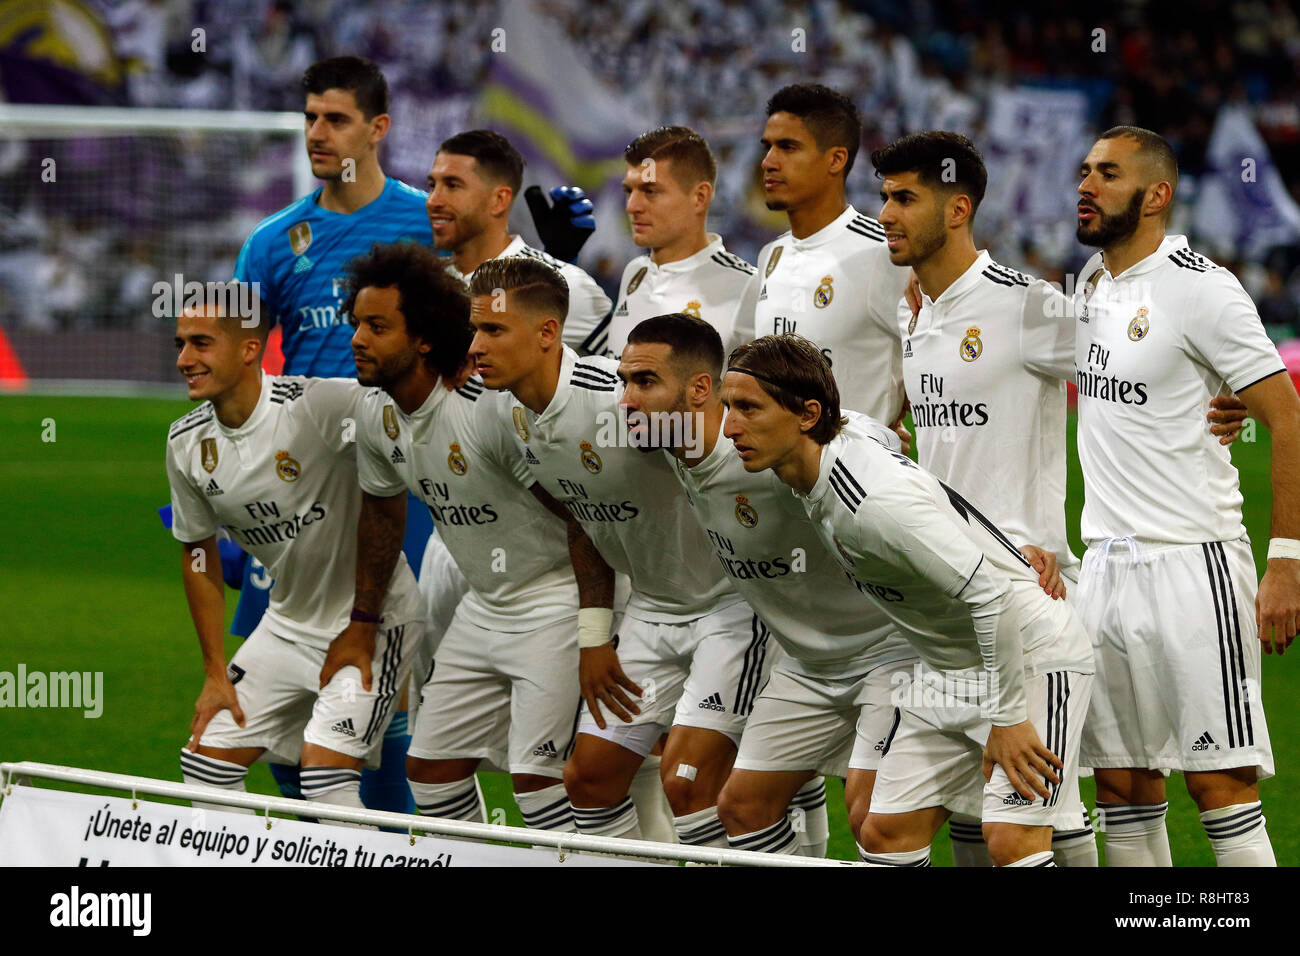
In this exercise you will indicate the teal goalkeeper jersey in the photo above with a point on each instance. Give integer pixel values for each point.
(297, 256)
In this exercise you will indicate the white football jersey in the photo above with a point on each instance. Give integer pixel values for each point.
(985, 367)
(587, 324)
(928, 558)
(1153, 346)
(767, 546)
(627, 500)
(838, 289)
(454, 454)
(284, 484)
(708, 285)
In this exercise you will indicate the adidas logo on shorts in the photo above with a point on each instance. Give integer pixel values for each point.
(1016, 800)
(213, 489)
(397, 458)
(712, 702)
(880, 744)
(1204, 742)
(546, 750)
(345, 727)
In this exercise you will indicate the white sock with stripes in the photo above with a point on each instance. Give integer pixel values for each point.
(968, 846)
(809, 820)
(619, 820)
(778, 838)
(547, 809)
(1035, 859)
(701, 828)
(1135, 834)
(653, 814)
(1237, 835)
(1075, 847)
(457, 800)
(213, 774)
(919, 857)
(335, 786)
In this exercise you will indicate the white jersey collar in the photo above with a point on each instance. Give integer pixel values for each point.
(827, 233)
(693, 261)
(259, 410)
(562, 387)
(420, 419)
(823, 482)
(715, 460)
(964, 282)
(1143, 266)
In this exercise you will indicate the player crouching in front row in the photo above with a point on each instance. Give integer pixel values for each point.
(271, 459)
(1016, 664)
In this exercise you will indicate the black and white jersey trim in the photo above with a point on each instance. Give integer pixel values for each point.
(282, 392)
(968, 510)
(752, 668)
(1058, 712)
(200, 416)
(1186, 259)
(546, 257)
(598, 338)
(730, 261)
(1232, 665)
(846, 486)
(1235, 824)
(1004, 276)
(472, 389)
(866, 226)
(595, 379)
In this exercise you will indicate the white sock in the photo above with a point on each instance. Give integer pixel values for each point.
(968, 846)
(919, 857)
(547, 809)
(619, 820)
(652, 811)
(336, 786)
(1135, 834)
(809, 820)
(1237, 835)
(458, 800)
(1035, 859)
(204, 771)
(1075, 847)
(778, 838)
(701, 828)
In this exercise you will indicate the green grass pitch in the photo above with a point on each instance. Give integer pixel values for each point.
(89, 581)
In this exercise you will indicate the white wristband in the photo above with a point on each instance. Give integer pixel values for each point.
(1284, 548)
(594, 625)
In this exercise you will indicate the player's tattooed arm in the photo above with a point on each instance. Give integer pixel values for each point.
(380, 531)
(1276, 405)
(205, 592)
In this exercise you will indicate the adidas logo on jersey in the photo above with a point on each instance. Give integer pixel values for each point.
(530, 457)
(1016, 800)
(302, 264)
(621, 310)
(344, 727)
(712, 702)
(1204, 742)
(907, 349)
(213, 489)
(762, 293)
(546, 750)
(397, 458)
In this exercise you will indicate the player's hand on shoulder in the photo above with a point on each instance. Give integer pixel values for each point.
(218, 694)
(1227, 417)
(913, 292)
(602, 681)
(904, 436)
(1049, 570)
(354, 647)
(1023, 758)
(1277, 605)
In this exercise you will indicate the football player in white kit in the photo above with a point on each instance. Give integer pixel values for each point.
(1006, 667)
(510, 654)
(669, 186)
(1168, 581)
(693, 651)
(842, 657)
(271, 458)
(829, 278)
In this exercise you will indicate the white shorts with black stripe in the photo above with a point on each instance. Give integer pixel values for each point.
(824, 724)
(934, 757)
(701, 673)
(278, 685)
(509, 698)
(1177, 656)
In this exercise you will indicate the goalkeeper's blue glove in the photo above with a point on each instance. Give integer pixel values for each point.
(564, 226)
(233, 557)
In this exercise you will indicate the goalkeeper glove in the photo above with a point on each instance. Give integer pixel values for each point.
(564, 226)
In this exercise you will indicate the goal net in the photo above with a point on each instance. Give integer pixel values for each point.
(98, 204)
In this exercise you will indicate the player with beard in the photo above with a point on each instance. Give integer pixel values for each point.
(1168, 584)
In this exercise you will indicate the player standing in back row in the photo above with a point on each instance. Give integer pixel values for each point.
(1168, 582)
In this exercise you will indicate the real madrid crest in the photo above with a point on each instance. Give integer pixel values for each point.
(299, 237)
(636, 279)
(1138, 328)
(771, 263)
(692, 308)
(971, 346)
(390, 422)
(521, 423)
(745, 512)
(209, 454)
(590, 460)
(286, 467)
(822, 297)
(456, 461)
